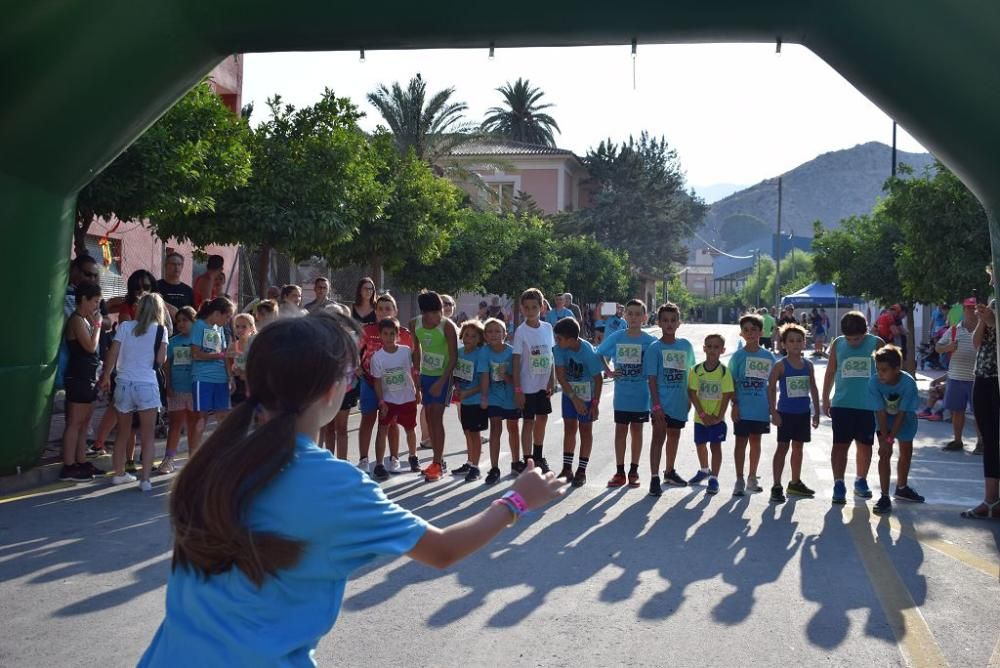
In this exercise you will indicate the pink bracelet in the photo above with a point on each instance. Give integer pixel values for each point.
(517, 500)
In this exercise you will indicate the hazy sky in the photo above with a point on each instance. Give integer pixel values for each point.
(736, 113)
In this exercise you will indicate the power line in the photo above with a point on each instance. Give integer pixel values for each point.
(722, 252)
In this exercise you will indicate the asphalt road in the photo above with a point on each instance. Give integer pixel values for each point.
(602, 577)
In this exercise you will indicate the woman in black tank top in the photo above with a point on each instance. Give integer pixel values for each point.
(83, 336)
(363, 308)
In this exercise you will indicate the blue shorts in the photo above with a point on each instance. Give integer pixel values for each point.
(958, 395)
(429, 399)
(369, 400)
(714, 434)
(210, 397)
(503, 413)
(907, 431)
(569, 411)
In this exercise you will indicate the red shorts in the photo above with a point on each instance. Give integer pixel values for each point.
(405, 415)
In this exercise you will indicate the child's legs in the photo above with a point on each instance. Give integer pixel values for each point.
(194, 435)
(903, 463)
(702, 455)
(474, 445)
(514, 438)
(538, 430)
(191, 423)
(673, 439)
(636, 430)
(368, 421)
(754, 453)
(77, 415)
(123, 436)
(797, 461)
(586, 439)
(621, 436)
(527, 434)
(716, 457)
(838, 460)
(778, 462)
(394, 440)
(569, 436)
(108, 422)
(435, 422)
(340, 434)
(425, 431)
(740, 454)
(884, 466)
(147, 427)
(411, 441)
(656, 447)
(864, 458)
(380, 437)
(496, 429)
(176, 426)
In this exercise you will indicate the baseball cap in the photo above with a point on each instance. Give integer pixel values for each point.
(971, 301)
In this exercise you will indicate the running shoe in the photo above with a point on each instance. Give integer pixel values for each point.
(96, 451)
(87, 467)
(542, 464)
(473, 474)
(379, 474)
(618, 480)
(391, 464)
(425, 445)
(580, 479)
(907, 493)
(698, 477)
(839, 493)
(74, 472)
(145, 486)
(740, 488)
(671, 478)
(777, 496)
(433, 472)
(713, 486)
(167, 465)
(493, 476)
(978, 450)
(122, 479)
(566, 473)
(861, 489)
(516, 468)
(953, 446)
(414, 464)
(130, 465)
(924, 413)
(934, 417)
(883, 506)
(633, 479)
(753, 485)
(654, 487)
(798, 488)
(462, 470)
(365, 465)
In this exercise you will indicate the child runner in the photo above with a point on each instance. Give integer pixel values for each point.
(83, 338)
(710, 386)
(501, 399)
(790, 412)
(247, 550)
(533, 379)
(666, 367)
(895, 394)
(180, 402)
(265, 312)
(392, 378)
(436, 346)
(371, 342)
(626, 348)
(751, 369)
(244, 330)
(851, 410)
(208, 367)
(472, 381)
(579, 372)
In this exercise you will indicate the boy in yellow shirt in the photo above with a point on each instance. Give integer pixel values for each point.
(710, 386)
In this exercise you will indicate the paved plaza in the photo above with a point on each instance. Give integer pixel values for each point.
(602, 577)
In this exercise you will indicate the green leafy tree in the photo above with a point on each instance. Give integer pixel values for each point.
(536, 261)
(521, 117)
(198, 151)
(594, 273)
(639, 204)
(678, 293)
(796, 273)
(525, 206)
(758, 290)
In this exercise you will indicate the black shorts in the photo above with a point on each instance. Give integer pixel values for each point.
(473, 417)
(537, 403)
(671, 422)
(631, 417)
(80, 390)
(503, 413)
(853, 424)
(350, 399)
(795, 427)
(751, 427)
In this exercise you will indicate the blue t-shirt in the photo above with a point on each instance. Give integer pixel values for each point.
(894, 399)
(795, 388)
(855, 367)
(555, 315)
(211, 339)
(345, 521)
(580, 367)
(751, 371)
(613, 324)
(627, 352)
(469, 368)
(670, 363)
(501, 364)
(179, 359)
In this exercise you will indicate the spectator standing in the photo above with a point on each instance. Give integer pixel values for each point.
(206, 286)
(986, 401)
(175, 293)
(321, 288)
(291, 301)
(568, 299)
(958, 341)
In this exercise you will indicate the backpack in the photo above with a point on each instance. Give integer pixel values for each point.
(161, 378)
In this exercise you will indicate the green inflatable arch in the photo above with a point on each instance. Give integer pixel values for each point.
(82, 79)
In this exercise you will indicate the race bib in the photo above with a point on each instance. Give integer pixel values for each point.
(498, 371)
(856, 367)
(628, 353)
(757, 368)
(240, 361)
(212, 341)
(797, 386)
(674, 359)
(541, 361)
(182, 356)
(465, 370)
(709, 390)
(431, 362)
(394, 379)
(581, 390)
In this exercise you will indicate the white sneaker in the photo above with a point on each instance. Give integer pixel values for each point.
(391, 464)
(365, 466)
(739, 489)
(145, 486)
(123, 479)
(753, 485)
(167, 465)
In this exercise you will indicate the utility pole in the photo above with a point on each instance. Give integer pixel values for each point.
(894, 149)
(777, 254)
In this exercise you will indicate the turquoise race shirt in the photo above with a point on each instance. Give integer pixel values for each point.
(211, 339)
(179, 359)
(469, 367)
(631, 387)
(501, 365)
(670, 363)
(580, 367)
(900, 397)
(345, 521)
(751, 372)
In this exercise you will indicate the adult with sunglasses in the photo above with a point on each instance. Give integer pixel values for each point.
(363, 308)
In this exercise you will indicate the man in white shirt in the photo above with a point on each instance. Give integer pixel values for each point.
(957, 340)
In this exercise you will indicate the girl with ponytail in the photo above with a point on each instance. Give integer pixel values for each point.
(268, 526)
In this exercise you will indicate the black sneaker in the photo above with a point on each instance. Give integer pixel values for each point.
(130, 465)
(580, 479)
(462, 470)
(907, 493)
(493, 476)
(566, 473)
(654, 487)
(953, 446)
(473, 474)
(414, 464)
(379, 474)
(542, 464)
(91, 469)
(978, 449)
(883, 506)
(74, 472)
(516, 468)
(777, 494)
(798, 488)
(96, 451)
(671, 478)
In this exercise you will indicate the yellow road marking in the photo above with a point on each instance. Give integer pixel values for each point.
(914, 637)
(36, 491)
(985, 566)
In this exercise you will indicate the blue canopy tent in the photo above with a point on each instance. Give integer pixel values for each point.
(819, 294)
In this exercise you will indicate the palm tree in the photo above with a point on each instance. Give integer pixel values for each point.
(431, 127)
(520, 120)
